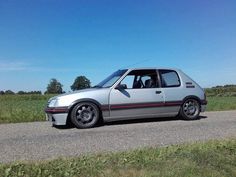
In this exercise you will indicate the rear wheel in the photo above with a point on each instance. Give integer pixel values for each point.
(190, 110)
(85, 115)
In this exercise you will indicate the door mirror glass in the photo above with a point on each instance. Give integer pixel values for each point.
(121, 87)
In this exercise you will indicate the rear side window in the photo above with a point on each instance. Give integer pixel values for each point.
(169, 78)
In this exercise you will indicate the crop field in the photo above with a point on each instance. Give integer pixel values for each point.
(28, 108)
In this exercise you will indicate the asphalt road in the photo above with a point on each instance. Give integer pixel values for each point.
(39, 140)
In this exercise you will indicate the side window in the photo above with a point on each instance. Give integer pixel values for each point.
(145, 79)
(141, 79)
(128, 81)
(169, 78)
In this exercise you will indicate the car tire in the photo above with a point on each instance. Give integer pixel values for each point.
(85, 115)
(190, 109)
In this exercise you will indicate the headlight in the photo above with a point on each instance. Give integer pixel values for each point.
(52, 103)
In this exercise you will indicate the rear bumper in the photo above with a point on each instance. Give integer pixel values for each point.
(203, 105)
(58, 116)
(203, 108)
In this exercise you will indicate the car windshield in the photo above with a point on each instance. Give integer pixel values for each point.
(111, 80)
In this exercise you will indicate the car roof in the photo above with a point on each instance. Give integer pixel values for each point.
(154, 68)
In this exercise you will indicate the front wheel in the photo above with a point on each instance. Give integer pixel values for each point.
(85, 115)
(190, 110)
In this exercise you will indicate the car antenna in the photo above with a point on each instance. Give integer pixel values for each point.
(134, 64)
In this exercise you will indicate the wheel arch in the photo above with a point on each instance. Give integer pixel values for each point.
(189, 97)
(74, 103)
(192, 97)
(184, 100)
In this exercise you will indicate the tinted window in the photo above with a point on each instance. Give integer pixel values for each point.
(169, 78)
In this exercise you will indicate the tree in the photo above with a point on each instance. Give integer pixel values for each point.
(29, 93)
(21, 92)
(34, 93)
(54, 87)
(81, 82)
(2, 92)
(9, 92)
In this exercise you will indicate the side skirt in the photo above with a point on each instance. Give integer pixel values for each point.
(137, 114)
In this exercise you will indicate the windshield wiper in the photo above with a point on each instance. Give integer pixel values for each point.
(97, 86)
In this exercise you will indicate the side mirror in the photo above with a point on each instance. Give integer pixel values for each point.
(121, 87)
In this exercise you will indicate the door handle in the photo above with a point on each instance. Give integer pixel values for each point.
(158, 92)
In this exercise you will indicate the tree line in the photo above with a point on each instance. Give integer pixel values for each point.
(221, 91)
(82, 82)
(55, 87)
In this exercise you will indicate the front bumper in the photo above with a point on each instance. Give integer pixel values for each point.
(58, 116)
(57, 119)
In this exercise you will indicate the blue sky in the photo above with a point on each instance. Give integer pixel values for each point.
(44, 39)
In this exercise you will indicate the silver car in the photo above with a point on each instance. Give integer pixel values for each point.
(130, 94)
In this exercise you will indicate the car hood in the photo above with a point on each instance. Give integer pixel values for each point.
(79, 92)
(92, 93)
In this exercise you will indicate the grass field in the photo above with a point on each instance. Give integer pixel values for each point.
(28, 108)
(221, 103)
(213, 158)
(22, 108)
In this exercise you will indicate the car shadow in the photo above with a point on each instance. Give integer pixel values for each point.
(202, 117)
(131, 121)
(149, 120)
(63, 127)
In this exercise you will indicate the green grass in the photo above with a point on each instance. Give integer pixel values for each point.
(28, 108)
(213, 158)
(22, 108)
(221, 103)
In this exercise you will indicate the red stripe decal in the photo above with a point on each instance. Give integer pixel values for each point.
(141, 105)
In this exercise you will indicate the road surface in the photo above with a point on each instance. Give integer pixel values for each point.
(39, 140)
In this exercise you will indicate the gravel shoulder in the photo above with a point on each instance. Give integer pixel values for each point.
(39, 140)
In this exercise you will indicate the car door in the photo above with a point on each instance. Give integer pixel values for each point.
(139, 95)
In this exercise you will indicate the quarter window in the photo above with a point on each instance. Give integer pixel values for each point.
(169, 78)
